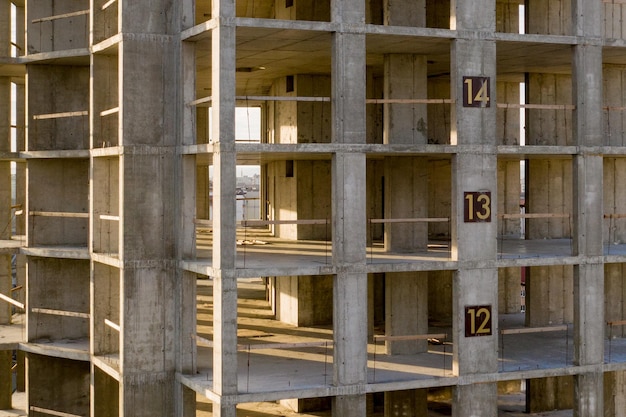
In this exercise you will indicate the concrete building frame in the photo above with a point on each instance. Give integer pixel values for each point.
(422, 164)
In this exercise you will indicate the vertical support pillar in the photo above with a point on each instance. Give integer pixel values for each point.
(224, 210)
(475, 289)
(588, 207)
(348, 208)
(5, 202)
(186, 398)
(149, 59)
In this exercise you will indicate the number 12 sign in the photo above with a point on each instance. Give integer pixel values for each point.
(478, 321)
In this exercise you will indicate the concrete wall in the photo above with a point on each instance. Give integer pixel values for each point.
(614, 296)
(552, 17)
(549, 296)
(548, 126)
(374, 198)
(105, 21)
(300, 122)
(68, 181)
(47, 36)
(58, 384)
(58, 89)
(303, 300)
(303, 10)
(614, 26)
(507, 16)
(58, 284)
(549, 191)
(440, 298)
(313, 198)
(615, 394)
(282, 195)
(106, 399)
(548, 394)
(509, 196)
(106, 286)
(105, 97)
(509, 290)
(105, 201)
(508, 119)
(313, 118)
(614, 83)
(614, 229)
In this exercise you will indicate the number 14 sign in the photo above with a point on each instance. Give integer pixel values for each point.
(476, 92)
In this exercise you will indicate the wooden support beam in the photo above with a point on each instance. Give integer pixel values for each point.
(12, 301)
(615, 216)
(534, 330)
(60, 313)
(107, 4)
(52, 412)
(248, 223)
(109, 217)
(534, 215)
(284, 345)
(60, 115)
(112, 325)
(409, 101)
(60, 16)
(411, 337)
(536, 106)
(59, 214)
(616, 323)
(114, 110)
(411, 220)
(202, 341)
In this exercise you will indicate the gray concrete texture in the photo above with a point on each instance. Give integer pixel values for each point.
(125, 155)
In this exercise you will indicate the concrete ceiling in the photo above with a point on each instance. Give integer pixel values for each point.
(266, 54)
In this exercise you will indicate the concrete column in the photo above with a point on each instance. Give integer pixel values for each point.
(348, 208)
(224, 210)
(150, 352)
(588, 18)
(5, 190)
(350, 287)
(472, 172)
(475, 400)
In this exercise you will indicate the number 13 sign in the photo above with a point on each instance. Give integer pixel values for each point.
(477, 206)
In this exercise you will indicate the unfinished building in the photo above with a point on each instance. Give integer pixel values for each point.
(422, 163)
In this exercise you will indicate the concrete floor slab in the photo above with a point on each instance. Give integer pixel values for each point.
(266, 372)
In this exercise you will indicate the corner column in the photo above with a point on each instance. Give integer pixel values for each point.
(5, 202)
(149, 180)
